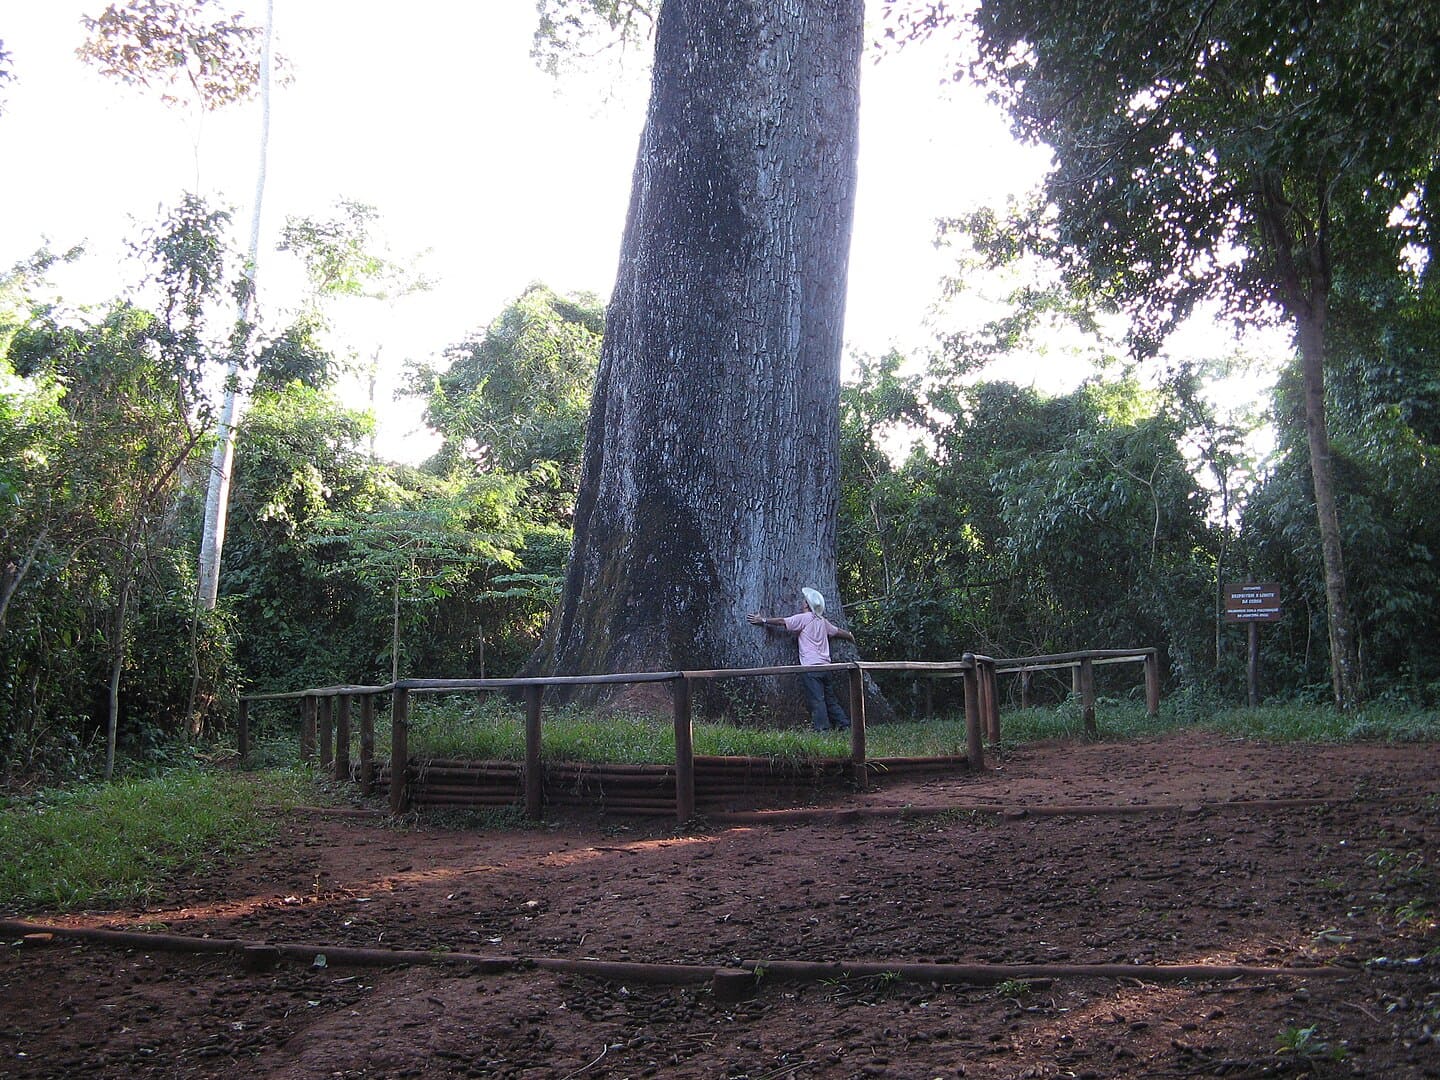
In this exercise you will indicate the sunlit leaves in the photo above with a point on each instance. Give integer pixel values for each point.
(184, 49)
(568, 31)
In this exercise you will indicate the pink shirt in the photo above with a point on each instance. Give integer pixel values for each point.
(814, 636)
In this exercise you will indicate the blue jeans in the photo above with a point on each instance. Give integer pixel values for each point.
(825, 709)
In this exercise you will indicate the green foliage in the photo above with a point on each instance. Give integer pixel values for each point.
(178, 47)
(125, 842)
(1306, 1043)
(515, 399)
(421, 546)
(340, 255)
(568, 30)
(1019, 523)
(1179, 130)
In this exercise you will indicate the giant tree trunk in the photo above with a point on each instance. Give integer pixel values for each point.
(710, 478)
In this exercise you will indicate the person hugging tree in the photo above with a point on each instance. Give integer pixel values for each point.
(814, 632)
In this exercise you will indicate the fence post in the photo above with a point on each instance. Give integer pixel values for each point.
(1026, 678)
(326, 708)
(242, 731)
(367, 744)
(974, 745)
(342, 737)
(990, 699)
(1152, 682)
(1087, 696)
(399, 750)
(534, 770)
(307, 729)
(684, 751)
(857, 726)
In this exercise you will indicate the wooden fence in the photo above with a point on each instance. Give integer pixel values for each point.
(326, 714)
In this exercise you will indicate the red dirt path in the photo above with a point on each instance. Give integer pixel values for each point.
(1201, 877)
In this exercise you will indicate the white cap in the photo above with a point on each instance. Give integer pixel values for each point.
(815, 600)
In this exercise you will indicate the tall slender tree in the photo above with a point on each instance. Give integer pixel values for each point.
(710, 476)
(193, 54)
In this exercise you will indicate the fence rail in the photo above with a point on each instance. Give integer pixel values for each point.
(326, 712)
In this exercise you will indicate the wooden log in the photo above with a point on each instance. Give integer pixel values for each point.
(399, 750)
(1152, 682)
(307, 729)
(1100, 656)
(989, 698)
(1087, 697)
(684, 753)
(325, 705)
(423, 797)
(342, 737)
(510, 791)
(681, 974)
(367, 744)
(534, 773)
(974, 744)
(857, 728)
(477, 775)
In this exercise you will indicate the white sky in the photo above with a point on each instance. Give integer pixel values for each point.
(433, 113)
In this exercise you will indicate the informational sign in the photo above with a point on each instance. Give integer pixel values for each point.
(1252, 601)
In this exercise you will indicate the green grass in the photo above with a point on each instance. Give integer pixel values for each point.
(490, 728)
(119, 843)
(1268, 723)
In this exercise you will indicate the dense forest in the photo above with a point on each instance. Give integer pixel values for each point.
(975, 514)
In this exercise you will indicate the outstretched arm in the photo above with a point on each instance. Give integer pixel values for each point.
(762, 620)
(843, 635)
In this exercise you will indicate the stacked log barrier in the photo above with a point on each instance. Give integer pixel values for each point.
(721, 783)
(466, 783)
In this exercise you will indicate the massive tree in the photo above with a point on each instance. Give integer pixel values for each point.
(1239, 151)
(710, 474)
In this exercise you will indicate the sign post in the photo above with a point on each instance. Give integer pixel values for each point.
(1252, 603)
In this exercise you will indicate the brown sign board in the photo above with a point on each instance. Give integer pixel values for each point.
(1252, 601)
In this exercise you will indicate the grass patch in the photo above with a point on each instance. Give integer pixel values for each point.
(118, 843)
(491, 728)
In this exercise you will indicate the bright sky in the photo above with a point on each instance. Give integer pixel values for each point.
(433, 113)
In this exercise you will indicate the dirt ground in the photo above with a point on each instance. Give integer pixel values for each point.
(1190, 862)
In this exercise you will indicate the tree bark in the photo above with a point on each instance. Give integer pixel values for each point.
(1301, 249)
(217, 493)
(710, 478)
(1344, 658)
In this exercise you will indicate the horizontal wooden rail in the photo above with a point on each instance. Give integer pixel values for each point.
(325, 711)
(1071, 659)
